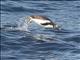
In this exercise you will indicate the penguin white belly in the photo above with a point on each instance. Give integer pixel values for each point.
(48, 26)
(39, 21)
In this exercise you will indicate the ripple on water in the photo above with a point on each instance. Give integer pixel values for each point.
(73, 38)
(20, 43)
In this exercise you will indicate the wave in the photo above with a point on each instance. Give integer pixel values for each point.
(15, 7)
(73, 38)
(19, 25)
(40, 0)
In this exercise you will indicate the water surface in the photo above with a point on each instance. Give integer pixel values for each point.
(18, 42)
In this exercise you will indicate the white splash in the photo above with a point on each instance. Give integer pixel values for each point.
(22, 25)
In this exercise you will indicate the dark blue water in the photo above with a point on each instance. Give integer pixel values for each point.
(20, 42)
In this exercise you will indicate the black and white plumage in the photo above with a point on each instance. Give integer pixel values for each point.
(43, 21)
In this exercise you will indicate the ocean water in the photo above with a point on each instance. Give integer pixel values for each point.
(20, 41)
